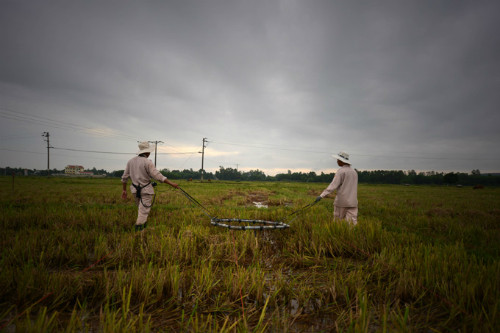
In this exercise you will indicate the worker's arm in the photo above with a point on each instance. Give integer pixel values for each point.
(125, 177)
(154, 173)
(335, 184)
(124, 192)
(166, 181)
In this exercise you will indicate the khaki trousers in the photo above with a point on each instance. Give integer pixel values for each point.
(143, 211)
(349, 214)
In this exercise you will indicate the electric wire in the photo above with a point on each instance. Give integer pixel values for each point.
(116, 153)
(26, 117)
(22, 151)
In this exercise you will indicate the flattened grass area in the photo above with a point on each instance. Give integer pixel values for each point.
(422, 258)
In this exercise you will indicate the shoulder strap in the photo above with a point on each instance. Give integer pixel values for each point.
(138, 189)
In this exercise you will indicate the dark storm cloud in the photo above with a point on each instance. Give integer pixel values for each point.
(387, 78)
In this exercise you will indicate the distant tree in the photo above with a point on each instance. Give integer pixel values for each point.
(228, 174)
(411, 173)
(326, 177)
(450, 178)
(254, 175)
(476, 172)
(117, 173)
(186, 174)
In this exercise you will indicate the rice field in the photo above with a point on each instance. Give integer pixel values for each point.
(421, 259)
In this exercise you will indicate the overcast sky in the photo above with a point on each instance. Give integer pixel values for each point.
(273, 85)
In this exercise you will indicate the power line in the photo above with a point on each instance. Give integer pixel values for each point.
(92, 151)
(22, 151)
(26, 117)
(20, 116)
(15, 137)
(117, 153)
(94, 158)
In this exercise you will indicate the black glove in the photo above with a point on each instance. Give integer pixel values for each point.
(318, 199)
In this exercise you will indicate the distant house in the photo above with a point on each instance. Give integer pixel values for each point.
(77, 170)
(73, 169)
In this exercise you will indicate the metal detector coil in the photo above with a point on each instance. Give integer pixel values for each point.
(250, 224)
(254, 224)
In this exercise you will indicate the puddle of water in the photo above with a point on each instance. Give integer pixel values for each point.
(294, 307)
(259, 204)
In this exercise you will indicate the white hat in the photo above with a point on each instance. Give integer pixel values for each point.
(343, 156)
(144, 147)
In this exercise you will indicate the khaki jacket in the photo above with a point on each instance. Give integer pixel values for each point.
(140, 170)
(346, 184)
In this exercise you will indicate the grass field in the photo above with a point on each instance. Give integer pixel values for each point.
(422, 259)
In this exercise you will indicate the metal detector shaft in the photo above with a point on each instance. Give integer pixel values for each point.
(196, 202)
(298, 211)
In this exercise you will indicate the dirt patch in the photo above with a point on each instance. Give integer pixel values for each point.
(494, 212)
(411, 203)
(236, 193)
(314, 192)
(256, 197)
(440, 212)
(250, 198)
(279, 202)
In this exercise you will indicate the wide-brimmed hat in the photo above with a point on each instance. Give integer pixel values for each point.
(145, 147)
(343, 156)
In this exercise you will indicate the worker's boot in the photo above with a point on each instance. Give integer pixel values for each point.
(140, 227)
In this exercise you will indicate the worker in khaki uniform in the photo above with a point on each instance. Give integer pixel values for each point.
(140, 170)
(345, 206)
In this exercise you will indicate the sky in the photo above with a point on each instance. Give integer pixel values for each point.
(274, 85)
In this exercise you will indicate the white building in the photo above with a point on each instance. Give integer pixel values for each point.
(76, 170)
(73, 169)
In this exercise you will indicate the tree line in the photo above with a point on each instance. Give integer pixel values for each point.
(410, 177)
(368, 177)
(8, 171)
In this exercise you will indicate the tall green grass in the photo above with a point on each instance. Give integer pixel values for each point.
(420, 259)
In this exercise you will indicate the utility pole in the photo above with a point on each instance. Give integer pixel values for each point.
(203, 157)
(47, 138)
(156, 145)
